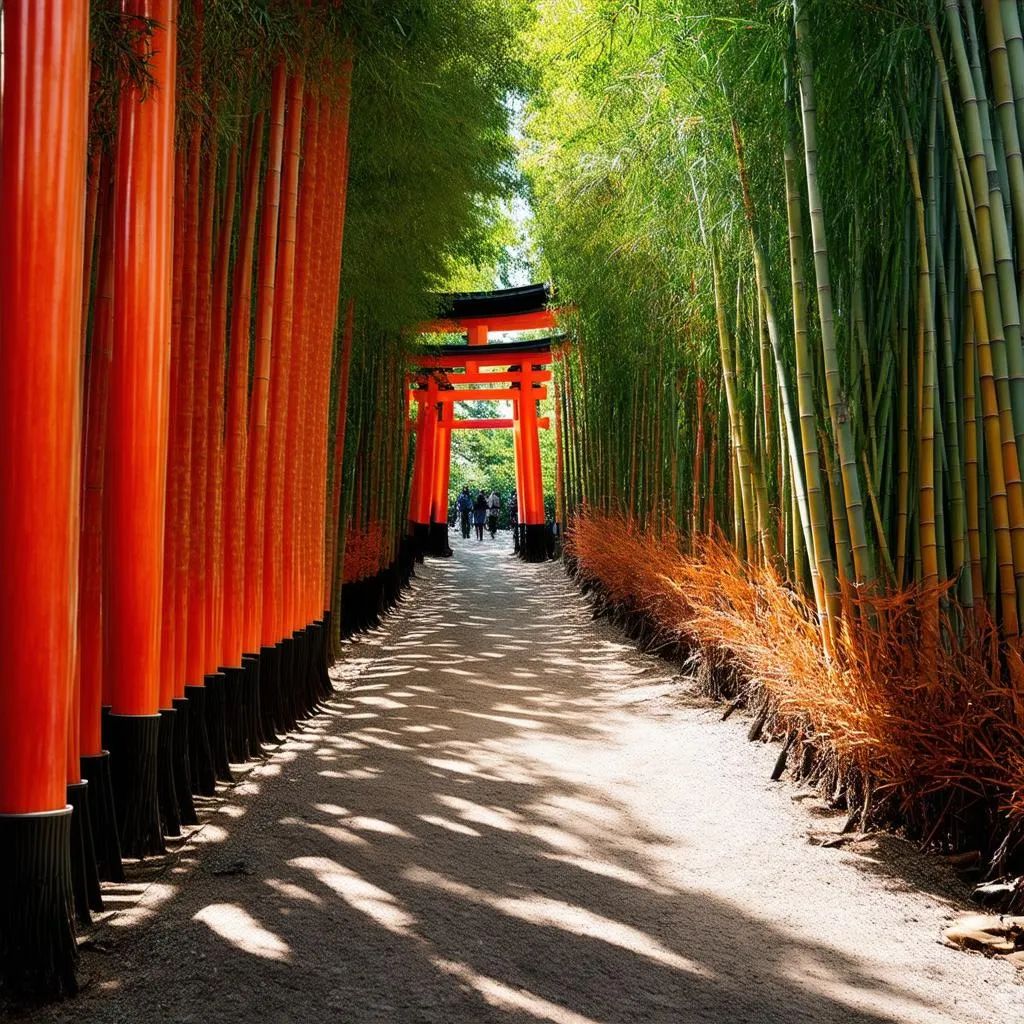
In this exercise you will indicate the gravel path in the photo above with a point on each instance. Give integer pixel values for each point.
(507, 814)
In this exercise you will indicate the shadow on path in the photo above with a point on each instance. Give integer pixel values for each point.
(471, 833)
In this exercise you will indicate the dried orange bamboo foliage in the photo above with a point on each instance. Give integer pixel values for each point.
(913, 738)
(364, 547)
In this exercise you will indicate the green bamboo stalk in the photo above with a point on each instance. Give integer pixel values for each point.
(903, 443)
(1002, 90)
(971, 583)
(950, 417)
(994, 422)
(1015, 57)
(818, 541)
(998, 172)
(737, 423)
(926, 411)
(863, 560)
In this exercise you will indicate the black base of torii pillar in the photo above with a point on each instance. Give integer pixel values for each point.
(534, 542)
(419, 539)
(437, 541)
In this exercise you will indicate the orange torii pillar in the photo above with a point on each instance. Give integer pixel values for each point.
(533, 543)
(517, 451)
(437, 544)
(421, 493)
(42, 209)
(135, 475)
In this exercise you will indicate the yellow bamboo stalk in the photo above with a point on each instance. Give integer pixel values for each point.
(838, 413)
(992, 424)
(926, 410)
(819, 544)
(971, 462)
(737, 422)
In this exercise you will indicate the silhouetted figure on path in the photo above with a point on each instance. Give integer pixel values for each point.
(493, 508)
(513, 519)
(480, 514)
(465, 506)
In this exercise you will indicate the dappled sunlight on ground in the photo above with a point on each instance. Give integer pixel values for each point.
(502, 815)
(237, 927)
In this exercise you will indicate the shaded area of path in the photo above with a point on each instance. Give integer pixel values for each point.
(507, 814)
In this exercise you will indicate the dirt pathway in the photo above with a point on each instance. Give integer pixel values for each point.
(506, 815)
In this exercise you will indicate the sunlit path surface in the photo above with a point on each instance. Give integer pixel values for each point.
(509, 815)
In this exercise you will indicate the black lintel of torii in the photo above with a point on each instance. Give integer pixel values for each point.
(530, 298)
(529, 346)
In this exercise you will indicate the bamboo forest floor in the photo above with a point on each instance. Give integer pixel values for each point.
(508, 814)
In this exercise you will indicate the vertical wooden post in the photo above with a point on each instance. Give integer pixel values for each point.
(439, 483)
(423, 473)
(517, 449)
(168, 600)
(136, 467)
(300, 439)
(336, 553)
(559, 457)
(259, 404)
(42, 209)
(273, 629)
(419, 417)
(196, 644)
(95, 761)
(237, 401)
(477, 334)
(531, 503)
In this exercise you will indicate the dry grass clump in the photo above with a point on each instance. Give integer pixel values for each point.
(364, 546)
(923, 731)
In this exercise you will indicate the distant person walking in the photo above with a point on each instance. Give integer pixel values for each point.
(513, 519)
(480, 515)
(465, 506)
(493, 508)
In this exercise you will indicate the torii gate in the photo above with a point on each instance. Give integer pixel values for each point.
(448, 374)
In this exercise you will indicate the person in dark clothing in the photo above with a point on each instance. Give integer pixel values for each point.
(513, 519)
(480, 514)
(493, 508)
(465, 504)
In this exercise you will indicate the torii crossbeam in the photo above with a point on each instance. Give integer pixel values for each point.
(444, 375)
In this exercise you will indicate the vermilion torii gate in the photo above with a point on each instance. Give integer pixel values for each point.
(445, 375)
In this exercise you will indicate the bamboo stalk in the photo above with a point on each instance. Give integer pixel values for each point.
(862, 558)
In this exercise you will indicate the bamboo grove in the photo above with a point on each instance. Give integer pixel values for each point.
(793, 236)
(219, 217)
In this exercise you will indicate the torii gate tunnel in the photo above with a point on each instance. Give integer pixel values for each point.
(444, 375)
